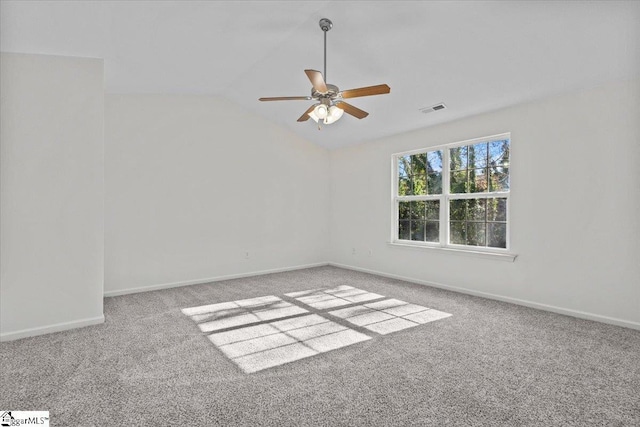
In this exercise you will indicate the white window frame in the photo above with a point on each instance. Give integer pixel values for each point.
(446, 197)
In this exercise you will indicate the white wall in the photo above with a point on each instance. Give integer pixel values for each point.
(575, 202)
(194, 182)
(51, 193)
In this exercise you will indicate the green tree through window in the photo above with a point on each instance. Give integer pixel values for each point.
(420, 176)
(472, 207)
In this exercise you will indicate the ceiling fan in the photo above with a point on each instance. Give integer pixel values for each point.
(330, 105)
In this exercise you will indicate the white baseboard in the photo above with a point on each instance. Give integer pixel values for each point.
(545, 307)
(208, 280)
(48, 329)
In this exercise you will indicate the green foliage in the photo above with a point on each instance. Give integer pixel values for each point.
(479, 168)
(458, 182)
(497, 209)
(458, 158)
(499, 165)
(458, 210)
(418, 210)
(420, 174)
(419, 220)
(476, 168)
(478, 222)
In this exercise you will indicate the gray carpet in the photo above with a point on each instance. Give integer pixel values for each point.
(490, 363)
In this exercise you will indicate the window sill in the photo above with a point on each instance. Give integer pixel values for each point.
(502, 256)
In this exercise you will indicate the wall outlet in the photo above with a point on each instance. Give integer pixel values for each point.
(246, 255)
(353, 251)
(370, 252)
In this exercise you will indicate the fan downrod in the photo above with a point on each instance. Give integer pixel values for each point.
(326, 25)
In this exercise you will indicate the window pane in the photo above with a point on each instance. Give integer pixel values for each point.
(458, 233)
(417, 230)
(499, 179)
(419, 163)
(499, 165)
(476, 209)
(458, 158)
(477, 180)
(458, 210)
(497, 235)
(458, 182)
(404, 187)
(433, 209)
(475, 234)
(435, 183)
(403, 230)
(434, 161)
(433, 231)
(478, 156)
(403, 210)
(497, 209)
(419, 183)
(418, 210)
(499, 153)
(404, 166)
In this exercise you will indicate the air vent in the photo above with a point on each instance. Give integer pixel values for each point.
(440, 106)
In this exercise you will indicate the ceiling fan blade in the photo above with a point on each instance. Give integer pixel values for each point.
(350, 109)
(317, 80)
(305, 116)
(366, 91)
(286, 98)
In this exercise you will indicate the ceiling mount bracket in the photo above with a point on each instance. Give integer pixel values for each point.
(326, 24)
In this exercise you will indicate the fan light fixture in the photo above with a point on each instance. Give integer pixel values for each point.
(328, 115)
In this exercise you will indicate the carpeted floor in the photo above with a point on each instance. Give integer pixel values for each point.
(489, 363)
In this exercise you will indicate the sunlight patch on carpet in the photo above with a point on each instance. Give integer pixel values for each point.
(264, 332)
(392, 315)
(321, 299)
(233, 314)
(259, 347)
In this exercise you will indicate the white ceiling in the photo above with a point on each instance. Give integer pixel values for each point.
(473, 56)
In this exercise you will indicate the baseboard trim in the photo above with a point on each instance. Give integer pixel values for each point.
(531, 304)
(108, 294)
(48, 329)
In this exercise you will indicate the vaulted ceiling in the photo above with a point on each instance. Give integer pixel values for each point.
(473, 56)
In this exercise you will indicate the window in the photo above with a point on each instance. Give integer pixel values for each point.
(454, 196)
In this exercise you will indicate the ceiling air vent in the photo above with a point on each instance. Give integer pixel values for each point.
(440, 106)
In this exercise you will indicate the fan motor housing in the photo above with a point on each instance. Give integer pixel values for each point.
(332, 92)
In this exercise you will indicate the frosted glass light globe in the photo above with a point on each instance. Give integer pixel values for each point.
(334, 114)
(321, 111)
